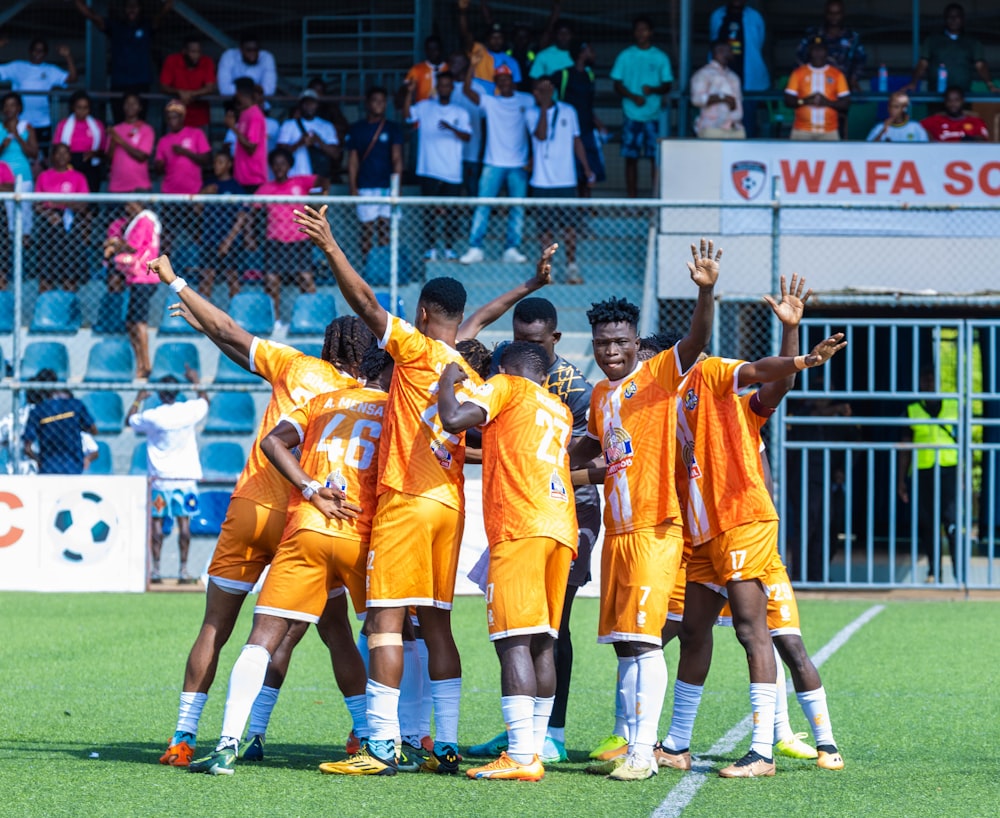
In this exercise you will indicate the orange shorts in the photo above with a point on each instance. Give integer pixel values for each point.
(782, 609)
(414, 552)
(526, 586)
(675, 612)
(742, 553)
(247, 542)
(638, 572)
(307, 566)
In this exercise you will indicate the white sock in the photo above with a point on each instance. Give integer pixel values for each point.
(519, 715)
(363, 650)
(260, 713)
(628, 676)
(782, 727)
(383, 711)
(189, 712)
(446, 694)
(357, 707)
(814, 706)
(651, 689)
(687, 699)
(543, 712)
(762, 697)
(427, 702)
(411, 692)
(557, 733)
(245, 683)
(621, 724)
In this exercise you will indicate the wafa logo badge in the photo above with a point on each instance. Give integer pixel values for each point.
(749, 178)
(557, 489)
(630, 389)
(617, 450)
(690, 400)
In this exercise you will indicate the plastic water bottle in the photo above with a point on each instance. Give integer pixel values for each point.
(883, 79)
(942, 82)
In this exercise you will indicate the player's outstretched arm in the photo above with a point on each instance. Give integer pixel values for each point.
(223, 331)
(582, 450)
(767, 370)
(789, 311)
(704, 269)
(354, 288)
(456, 417)
(488, 313)
(277, 447)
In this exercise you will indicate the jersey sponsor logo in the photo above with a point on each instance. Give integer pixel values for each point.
(557, 489)
(630, 389)
(617, 450)
(687, 454)
(690, 400)
(441, 453)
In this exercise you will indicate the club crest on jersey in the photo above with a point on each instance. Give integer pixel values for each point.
(687, 455)
(557, 489)
(690, 400)
(630, 389)
(442, 454)
(617, 450)
(337, 480)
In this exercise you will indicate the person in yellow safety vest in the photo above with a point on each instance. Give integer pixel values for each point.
(945, 435)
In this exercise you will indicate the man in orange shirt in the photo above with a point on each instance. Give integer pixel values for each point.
(818, 93)
(256, 517)
(532, 532)
(325, 543)
(422, 77)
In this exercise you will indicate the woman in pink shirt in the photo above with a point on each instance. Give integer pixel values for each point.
(132, 243)
(60, 224)
(250, 153)
(181, 155)
(86, 138)
(7, 181)
(130, 144)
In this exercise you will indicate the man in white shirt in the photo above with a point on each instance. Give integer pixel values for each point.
(173, 465)
(898, 127)
(249, 60)
(444, 128)
(472, 152)
(311, 140)
(715, 91)
(34, 74)
(555, 141)
(505, 163)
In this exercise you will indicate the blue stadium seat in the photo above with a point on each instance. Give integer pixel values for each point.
(173, 326)
(6, 312)
(40, 355)
(212, 508)
(110, 359)
(254, 312)
(222, 461)
(138, 463)
(111, 314)
(57, 311)
(231, 413)
(377, 266)
(107, 410)
(311, 313)
(102, 464)
(170, 358)
(313, 348)
(383, 299)
(229, 372)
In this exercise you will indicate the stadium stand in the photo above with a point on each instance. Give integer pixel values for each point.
(57, 312)
(6, 312)
(222, 461)
(311, 313)
(254, 312)
(110, 318)
(385, 300)
(231, 413)
(107, 409)
(377, 265)
(212, 507)
(103, 463)
(137, 465)
(172, 357)
(228, 372)
(40, 355)
(110, 359)
(173, 326)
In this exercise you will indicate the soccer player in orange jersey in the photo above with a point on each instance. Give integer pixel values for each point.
(632, 419)
(325, 542)
(532, 533)
(256, 516)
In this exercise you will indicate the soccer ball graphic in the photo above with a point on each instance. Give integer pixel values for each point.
(84, 527)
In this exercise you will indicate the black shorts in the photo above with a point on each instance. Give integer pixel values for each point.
(139, 296)
(286, 258)
(554, 219)
(588, 517)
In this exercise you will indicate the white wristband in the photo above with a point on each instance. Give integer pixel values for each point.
(178, 284)
(311, 489)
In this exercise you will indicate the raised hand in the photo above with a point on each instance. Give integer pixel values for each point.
(792, 304)
(825, 350)
(63, 51)
(705, 265)
(452, 374)
(314, 224)
(178, 310)
(162, 267)
(543, 270)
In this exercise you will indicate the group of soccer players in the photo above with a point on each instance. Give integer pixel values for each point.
(355, 484)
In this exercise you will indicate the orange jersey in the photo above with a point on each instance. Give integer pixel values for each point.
(416, 455)
(339, 435)
(720, 478)
(424, 76)
(827, 81)
(526, 481)
(635, 420)
(295, 379)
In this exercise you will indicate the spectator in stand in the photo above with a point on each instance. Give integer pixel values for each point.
(555, 140)
(744, 29)
(131, 42)
(189, 75)
(330, 111)
(220, 228)
(250, 129)
(374, 148)
(491, 54)
(955, 124)
(843, 45)
(520, 50)
(130, 147)
(505, 163)
(898, 127)
(172, 465)
(311, 140)
(86, 138)
(34, 74)
(577, 86)
(642, 75)
(56, 423)
(423, 76)
(272, 126)
(181, 155)
(952, 48)
(716, 93)
(444, 127)
(557, 57)
(249, 60)
(133, 242)
(17, 148)
(59, 224)
(472, 151)
(818, 93)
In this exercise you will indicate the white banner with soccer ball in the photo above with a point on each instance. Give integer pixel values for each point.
(68, 533)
